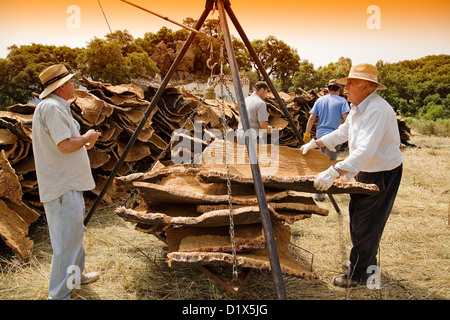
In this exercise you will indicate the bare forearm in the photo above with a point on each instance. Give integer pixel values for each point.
(72, 144)
(76, 143)
(310, 124)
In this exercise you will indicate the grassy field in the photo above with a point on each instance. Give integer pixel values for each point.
(414, 253)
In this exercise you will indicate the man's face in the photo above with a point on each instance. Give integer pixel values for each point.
(263, 93)
(69, 89)
(356, 90)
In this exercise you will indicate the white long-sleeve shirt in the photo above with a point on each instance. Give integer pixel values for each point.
(371, 130)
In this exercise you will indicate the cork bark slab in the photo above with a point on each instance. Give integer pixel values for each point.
(215, 239)
(156, 194)
(286, 169)
(256, 259)
(15, 216)
(93, 110)
(13, 231)
(241, 215)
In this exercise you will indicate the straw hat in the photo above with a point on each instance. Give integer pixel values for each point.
(363, 71)
(53, 77)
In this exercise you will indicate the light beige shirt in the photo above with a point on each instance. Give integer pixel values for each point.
(57, 172)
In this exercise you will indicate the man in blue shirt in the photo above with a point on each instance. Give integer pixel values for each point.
(330, 111)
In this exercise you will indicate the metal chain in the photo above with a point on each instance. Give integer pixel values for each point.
(230, 203)
(224, 124)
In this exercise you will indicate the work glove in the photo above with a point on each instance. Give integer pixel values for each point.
(306, 137)
(325, 179)
(310, 145)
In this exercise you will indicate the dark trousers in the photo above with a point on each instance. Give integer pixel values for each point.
(368, 217)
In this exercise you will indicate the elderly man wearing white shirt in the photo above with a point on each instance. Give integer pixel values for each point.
(63, 172)
(373, 137)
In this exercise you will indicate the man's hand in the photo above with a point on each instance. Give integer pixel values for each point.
(92, 137)
(326, 178)
(310, 145)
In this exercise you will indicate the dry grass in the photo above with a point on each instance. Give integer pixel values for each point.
(414, 251)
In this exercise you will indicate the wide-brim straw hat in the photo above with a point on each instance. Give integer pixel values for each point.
(53, 77)
(363, 71)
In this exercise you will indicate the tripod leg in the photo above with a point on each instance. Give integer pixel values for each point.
(150, 108)
(333, 202)
(251, 148)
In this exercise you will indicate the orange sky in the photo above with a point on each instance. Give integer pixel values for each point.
(320, 34)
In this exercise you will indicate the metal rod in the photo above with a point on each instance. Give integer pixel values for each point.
(208, 8)
(104, 15)
(172, 21)
(251, 148)
(262, 69)
(333, 202)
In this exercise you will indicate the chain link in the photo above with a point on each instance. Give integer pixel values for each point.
(230, 203)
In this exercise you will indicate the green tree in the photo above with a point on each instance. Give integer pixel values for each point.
(202, 48)
(433, 112)
(304, 77)
(19, 72)
(116, 59)
(126, 40)
(279, 60)
(333, 70)
(139, 64)
(102, 60)
(413, 84)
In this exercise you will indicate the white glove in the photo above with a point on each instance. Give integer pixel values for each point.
(326, 178)
(310, 145)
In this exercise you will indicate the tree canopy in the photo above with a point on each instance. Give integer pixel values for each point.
(415, 87)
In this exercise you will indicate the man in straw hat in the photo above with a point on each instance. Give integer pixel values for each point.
(373, 137)
(63, 173)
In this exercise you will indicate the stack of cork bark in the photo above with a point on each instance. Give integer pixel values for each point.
(189, 208)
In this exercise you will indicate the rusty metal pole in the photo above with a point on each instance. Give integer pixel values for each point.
(251, 148)
(155, 100)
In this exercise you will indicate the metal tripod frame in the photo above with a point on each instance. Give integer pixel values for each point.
(223, 8)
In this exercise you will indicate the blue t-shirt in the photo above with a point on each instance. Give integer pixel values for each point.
(329, 109)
